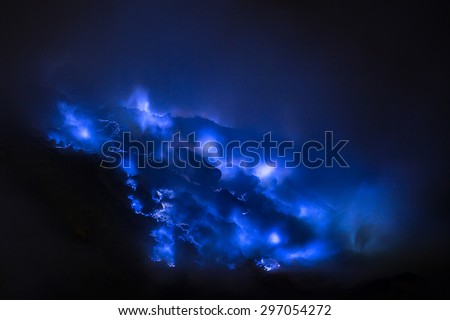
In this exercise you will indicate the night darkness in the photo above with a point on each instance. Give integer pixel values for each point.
(75, 74)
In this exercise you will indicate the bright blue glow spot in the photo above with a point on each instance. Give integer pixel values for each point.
(84, 133)
(274, 238)
(76, 123)
(135, 205)
(268, 264)
(264, 171)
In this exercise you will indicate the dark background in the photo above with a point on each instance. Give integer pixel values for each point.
(375, 73)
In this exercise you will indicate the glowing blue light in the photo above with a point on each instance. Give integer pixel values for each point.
(245, 217)
(135, 204)
(264, 171)
(274, 238)
(304, 212)
(139, 100)
(74, 122)
(163, 250)
(129, 167)
(148, 120)
(132, 184)
(268, 264)
(84, 133)
(306, 254)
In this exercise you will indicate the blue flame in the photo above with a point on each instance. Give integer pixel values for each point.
(254, 214)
